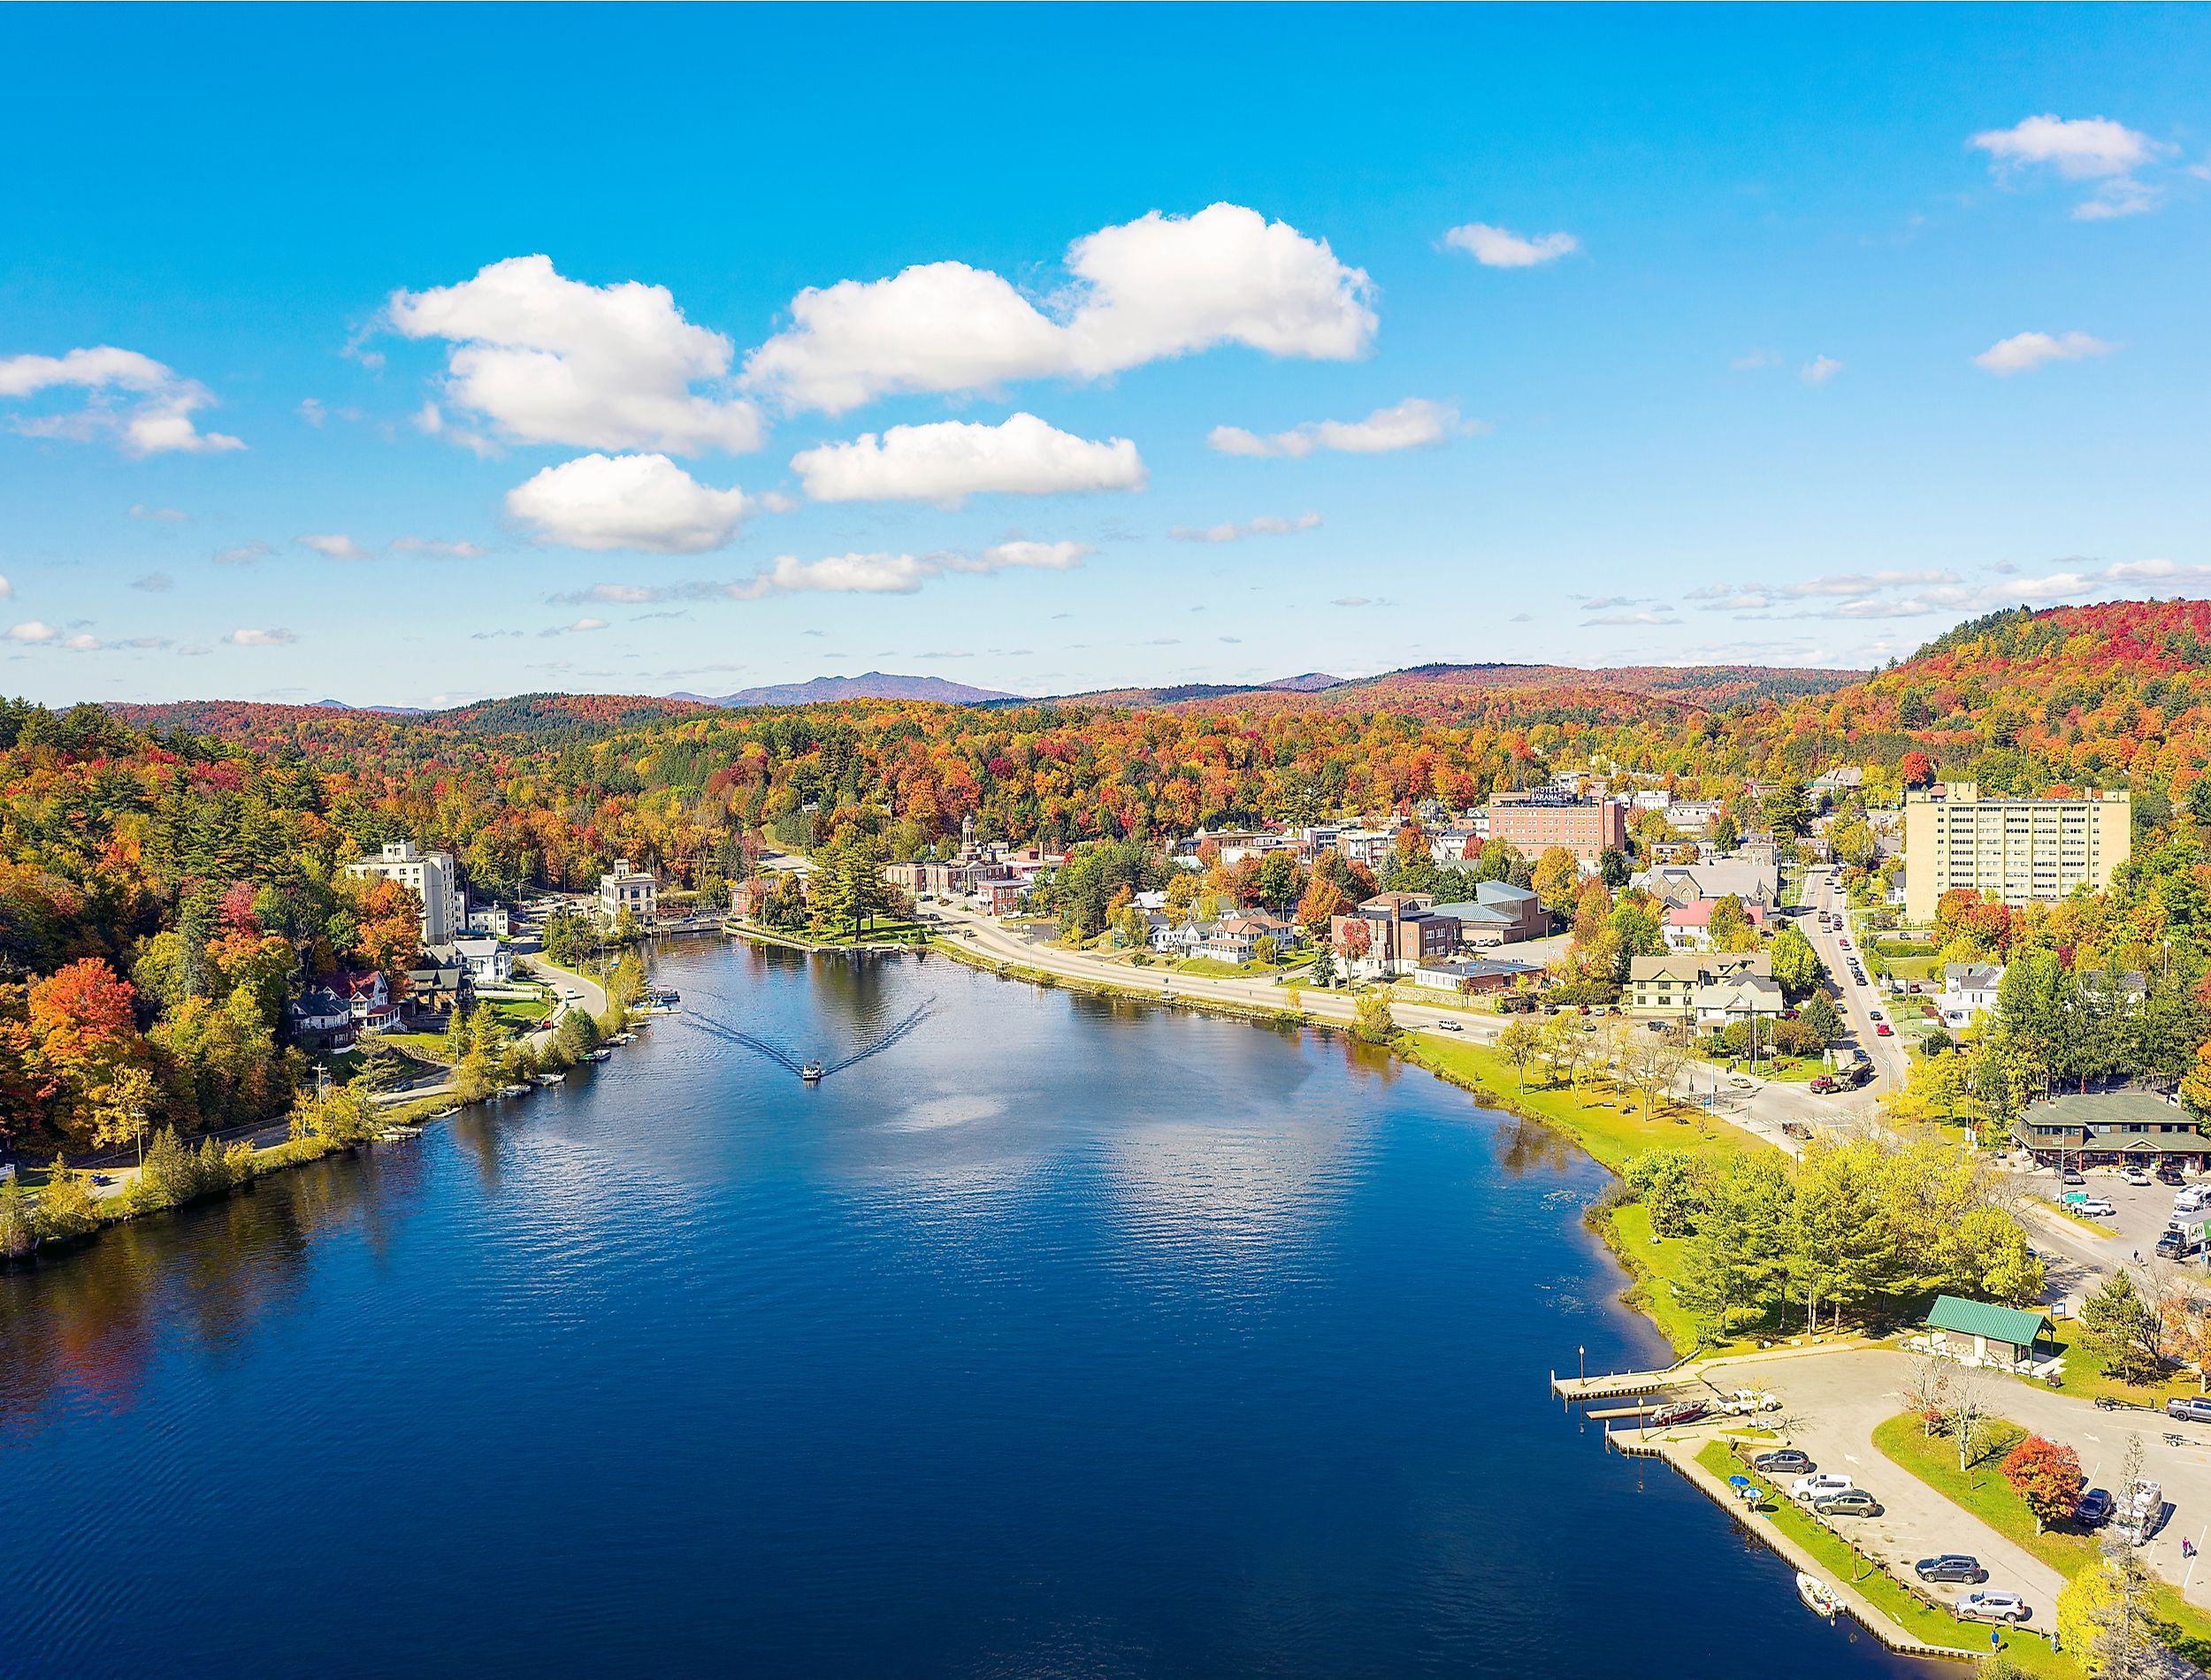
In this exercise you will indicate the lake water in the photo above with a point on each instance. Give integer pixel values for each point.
(1060, 1338)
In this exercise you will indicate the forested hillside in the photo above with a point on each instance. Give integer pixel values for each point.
(170, 874)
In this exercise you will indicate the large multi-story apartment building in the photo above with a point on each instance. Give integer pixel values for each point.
(623, 888)
(2018, 851)
(431, 876)
(1536, 822)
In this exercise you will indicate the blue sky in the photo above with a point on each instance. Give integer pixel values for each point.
(1771, 335)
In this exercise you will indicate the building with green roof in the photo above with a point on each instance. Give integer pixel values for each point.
(1982, 1332)
(2111, 1128)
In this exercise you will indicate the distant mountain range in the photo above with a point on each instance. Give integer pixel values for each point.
(869, 686)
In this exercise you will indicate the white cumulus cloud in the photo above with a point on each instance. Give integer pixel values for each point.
(261, 638)
(1411, 425)
(1501, 248)
(32, 631)
(1230, 532)
(1819, 370)
(1017, 556)
(2080, 148)
(546, 359)
(140, 403)
(627, 501)
(333, 545)
(2024, 352)
(437, 549)
(948, 461)
(1161, 285)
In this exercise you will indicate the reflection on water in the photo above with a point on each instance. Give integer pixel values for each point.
(1065, 1335)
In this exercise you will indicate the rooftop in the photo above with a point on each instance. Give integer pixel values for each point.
(2020, 1329)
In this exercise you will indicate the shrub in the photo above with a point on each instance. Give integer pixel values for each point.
(166, 1177)
(65, 1208)
(18, 1235)
(1371, 1022)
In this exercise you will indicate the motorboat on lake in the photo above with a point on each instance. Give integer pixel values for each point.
(811, 1073)
(1818, 1597)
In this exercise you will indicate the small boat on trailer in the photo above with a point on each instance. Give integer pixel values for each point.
(1818, 1597)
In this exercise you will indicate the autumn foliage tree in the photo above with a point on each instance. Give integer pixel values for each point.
(2047, 1476)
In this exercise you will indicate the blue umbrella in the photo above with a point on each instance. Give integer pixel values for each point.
(1739, 1481)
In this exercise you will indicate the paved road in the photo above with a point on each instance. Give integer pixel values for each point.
(1762, 1107)
(1891, 1064)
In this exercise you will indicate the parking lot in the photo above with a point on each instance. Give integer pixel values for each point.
(1832, 1402)
(2138, 1219)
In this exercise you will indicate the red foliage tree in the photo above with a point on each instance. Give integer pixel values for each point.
(1915, 768)
(2047, 1476)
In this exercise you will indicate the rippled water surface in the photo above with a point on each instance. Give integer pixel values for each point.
(1059, 1338)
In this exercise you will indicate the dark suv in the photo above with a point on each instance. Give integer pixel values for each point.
(1951, 1566)
(2094, 1508)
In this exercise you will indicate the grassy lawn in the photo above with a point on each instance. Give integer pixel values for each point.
(1657, 1267)
(520, 1012)
(1787, 1070)
(1914, 1615)
(1984, 1492)
(1610, 1128)
(429, 1047)
(2088, 1376)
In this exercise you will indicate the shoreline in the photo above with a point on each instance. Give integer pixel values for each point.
(1407, 1048)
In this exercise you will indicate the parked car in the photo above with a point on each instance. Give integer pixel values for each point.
(2170, 1174)
(2135, 1176)
(1784, 1460)
(2071, 1175)
(2094, 1508)
(1681, 1411)
(2095, 1207)
(2190, 1409)
(1951, 1566)
(1810, 1487)
(1993, 1607)
(1852, 1501)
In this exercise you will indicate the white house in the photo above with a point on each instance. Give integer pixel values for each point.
(1969, 990)
(489, 962)
(1176, 939)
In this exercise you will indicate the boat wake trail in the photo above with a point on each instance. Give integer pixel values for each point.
(884, 1040)
(759, 1046)
(782, 1057)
